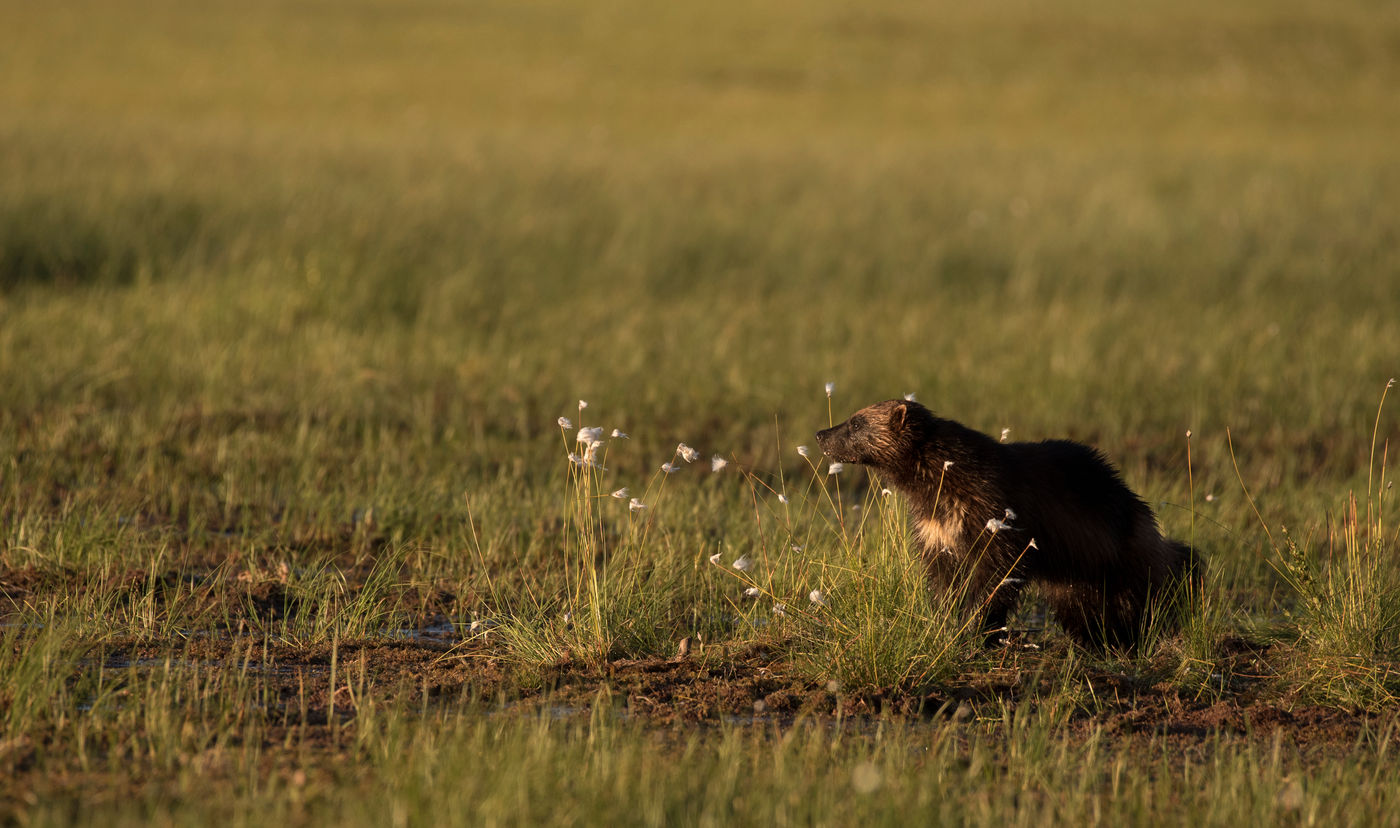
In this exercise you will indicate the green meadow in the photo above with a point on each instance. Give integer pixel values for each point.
(293, 296)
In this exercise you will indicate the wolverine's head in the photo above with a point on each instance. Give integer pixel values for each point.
(883, 435)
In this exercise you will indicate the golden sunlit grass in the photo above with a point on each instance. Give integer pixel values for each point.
(293, 296)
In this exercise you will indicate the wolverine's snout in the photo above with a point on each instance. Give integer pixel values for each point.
(832, 442)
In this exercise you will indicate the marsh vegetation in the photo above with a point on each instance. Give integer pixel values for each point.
(293, 297)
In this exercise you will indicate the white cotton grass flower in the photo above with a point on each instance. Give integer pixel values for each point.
(718, 463)
(803, 450)
(589, 458)
(947, 464)
(909, 397)
(835, 468)
(830, 389)
(619, 434)
(885, 493)
(783, 499)
(582, 404)
(1006, 434)
(780, 609)
(744, 564)
(1010, 515)
(995, 525)
(622, 494)
(1032, 544)
(669, 467)
(796, 548)
(590, 436)
(635, 505)
(687, 453)
(565, 423)
(752, 592)
(714, 559)
(816, 597)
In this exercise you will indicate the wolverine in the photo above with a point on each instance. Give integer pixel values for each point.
(990, 518)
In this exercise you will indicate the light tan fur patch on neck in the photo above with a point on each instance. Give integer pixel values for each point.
(943, 531)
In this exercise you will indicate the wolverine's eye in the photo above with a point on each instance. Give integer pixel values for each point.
(857, 423)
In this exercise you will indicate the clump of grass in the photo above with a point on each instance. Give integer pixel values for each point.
(613, 598)
(327, 606)
(1348, 617)
(881, 629)
(1190, 649)
(1348, 597)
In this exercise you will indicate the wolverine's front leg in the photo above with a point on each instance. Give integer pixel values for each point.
(999, 597)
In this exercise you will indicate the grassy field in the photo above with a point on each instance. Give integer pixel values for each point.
(293, 295)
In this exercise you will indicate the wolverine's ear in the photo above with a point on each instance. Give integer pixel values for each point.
(896, 421)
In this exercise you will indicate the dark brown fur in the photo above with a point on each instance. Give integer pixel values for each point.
(1098, 557)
